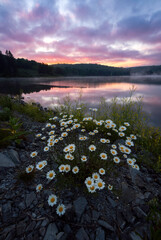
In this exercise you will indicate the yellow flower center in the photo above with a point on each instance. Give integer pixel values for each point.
(39, 187)
(92, 148)
(50, 174)
(67, 168)
(62, 168)
(99, 184)
(89, 182)
(75, 169)
(95, 177)
(52, 199)
(40, 165)
(92, 187)
(29, 169)
(60, 209)
(103, 155)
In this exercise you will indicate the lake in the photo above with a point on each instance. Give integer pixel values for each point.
(48, 91)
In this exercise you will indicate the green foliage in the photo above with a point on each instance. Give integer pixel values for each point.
(5, 114)
(12, 132)
(6, 102)
(154, 217)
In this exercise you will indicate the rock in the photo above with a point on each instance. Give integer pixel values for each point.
(95, 215)
(112, 202)
(100, 234)
(121, 222)
(42, 231)
(14, 156)
(21, 227)
(30, 198)
(31, 226)
(67, 228)
(139, 212)
(6, 161)
(81, 234)
(51, 232)
(134, 236)
(59, 235)
(6, 211)
(79, 206)
(105, 225)
(45, 222)
(128, 194)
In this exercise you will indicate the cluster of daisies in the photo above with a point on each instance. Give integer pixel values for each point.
(68, 124)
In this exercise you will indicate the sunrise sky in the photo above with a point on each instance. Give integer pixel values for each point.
(111, 32)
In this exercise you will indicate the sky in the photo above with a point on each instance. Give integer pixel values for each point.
(121, 33)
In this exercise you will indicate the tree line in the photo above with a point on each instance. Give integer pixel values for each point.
(20, 67)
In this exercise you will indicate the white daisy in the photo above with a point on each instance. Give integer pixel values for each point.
(39, 187)
(102, 171)
(103, 156)
(33, 154)
(52, 200)
(29, 168)
(60, 210)
(75, 169)
(51, 174)
(92, 148)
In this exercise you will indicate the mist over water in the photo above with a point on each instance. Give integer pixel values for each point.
(49, 91)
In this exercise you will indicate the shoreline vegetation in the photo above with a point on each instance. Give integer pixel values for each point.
(88, 170)
(11, 67)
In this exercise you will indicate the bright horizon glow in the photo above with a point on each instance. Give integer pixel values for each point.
(116, 33)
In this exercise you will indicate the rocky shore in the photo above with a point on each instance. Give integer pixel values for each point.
(25, 214)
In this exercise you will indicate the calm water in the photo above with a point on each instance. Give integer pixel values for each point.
(48, 91)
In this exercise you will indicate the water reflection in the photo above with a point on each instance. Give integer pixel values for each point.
(50, 91)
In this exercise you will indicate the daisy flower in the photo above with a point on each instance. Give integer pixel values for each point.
(33, 154)
(67, 168)
(91, 133)
(68, 130)
(103, 140)
(109, 121)
(130, 161)
(92, 148)
(62, 124)
(102, 171)
(113, 125)
(64, 134)
(122, 128)
(95, 131)
(107, 141)
(40, 165)
(38, 135)
(126, 124)
(39, 187)
(75, 169)
(121, 134)
(62, 168)
(69, 156)
(51, 132)
(110, 187)
(48, 125)
(71, 147)
(29, 168)
(66, 149)
(95, 176)
(127, 150)
(116, 159)
(46, 149)
(100, 184)
(60, 138)
(50, 175)
(92, 189)
(43, 138)
(60, 210)
(125, 156)
(133, 137)
(99, 123)
(94, 109)
(129, 143)
(136, 167)
(122, 148)
(56, 140)
(83, 130)
(50, 144)
(44, 162)
(103, 156)
(89, 181)
(83, 158)
(114, 146)
(52, 200)
(113, 152)
(54, 118)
